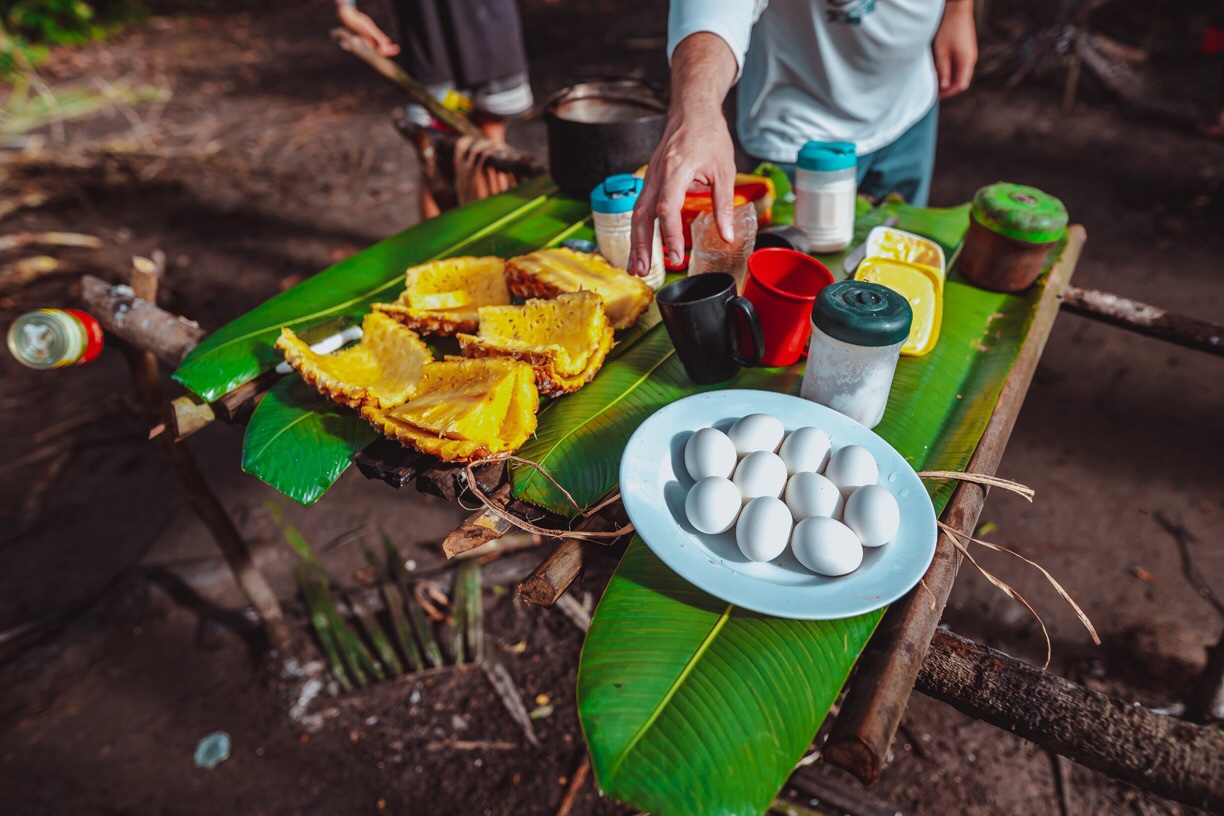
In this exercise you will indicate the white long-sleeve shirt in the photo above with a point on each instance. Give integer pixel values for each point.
(831, 70)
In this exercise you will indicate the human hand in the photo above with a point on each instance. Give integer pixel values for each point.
(696, 146)
(360, 24)
(955, 48)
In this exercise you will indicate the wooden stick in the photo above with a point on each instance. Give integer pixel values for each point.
(442, 143)
(396, 75)
(575, 786)
(1150, 321)
(188, 415)
(1164, 755)
(553, 577)
(139, 322)
(484, 525)
(237, 405)
(147, 383)
(864, 730)
(389, 461)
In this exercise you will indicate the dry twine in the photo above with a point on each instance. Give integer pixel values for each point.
(958, 538)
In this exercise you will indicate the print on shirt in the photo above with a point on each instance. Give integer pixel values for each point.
(849, 12)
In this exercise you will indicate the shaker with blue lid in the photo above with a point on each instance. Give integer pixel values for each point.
(612, 207)
(826, 185)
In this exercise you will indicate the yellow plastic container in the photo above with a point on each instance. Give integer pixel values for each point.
(922, 286)
(899, 245)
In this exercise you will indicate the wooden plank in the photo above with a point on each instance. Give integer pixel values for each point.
(864, 730)
(1161, 754)
(388, 461)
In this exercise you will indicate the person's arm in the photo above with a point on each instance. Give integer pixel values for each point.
(696, 145)
(955, 48)
(359, 23)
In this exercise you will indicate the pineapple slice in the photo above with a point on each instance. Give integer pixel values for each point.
(465, 410)
(565, 340)
(443, 297)
(549, 272)
(383, 369)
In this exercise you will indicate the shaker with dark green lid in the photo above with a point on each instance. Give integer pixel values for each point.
(858, 329)
(1012, 230)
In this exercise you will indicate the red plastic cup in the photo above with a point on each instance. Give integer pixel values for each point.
(782, 284)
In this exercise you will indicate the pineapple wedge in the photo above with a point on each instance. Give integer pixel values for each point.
(443, 297)
(382, 370)
(465, 410)
(564, 340)
(547, 273)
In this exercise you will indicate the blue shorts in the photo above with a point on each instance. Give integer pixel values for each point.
(904, 167)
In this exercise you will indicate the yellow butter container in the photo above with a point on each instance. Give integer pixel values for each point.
(899, 245)
(922, 286)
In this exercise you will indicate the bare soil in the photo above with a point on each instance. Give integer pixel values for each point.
(274, 157)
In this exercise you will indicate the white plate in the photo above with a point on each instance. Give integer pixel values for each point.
(654, 483)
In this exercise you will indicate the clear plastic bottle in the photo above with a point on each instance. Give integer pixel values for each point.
(612, 209)
(858, 329)
(825, 191)
(712, 254)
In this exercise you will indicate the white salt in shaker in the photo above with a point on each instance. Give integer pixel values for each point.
(858, 329)
(825, 191)
(612, 208)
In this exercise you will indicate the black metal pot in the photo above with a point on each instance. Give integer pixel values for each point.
(599, 129)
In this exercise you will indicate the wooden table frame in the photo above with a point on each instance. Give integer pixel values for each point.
(1170, 757)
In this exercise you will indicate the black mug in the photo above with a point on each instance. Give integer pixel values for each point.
(699, 313)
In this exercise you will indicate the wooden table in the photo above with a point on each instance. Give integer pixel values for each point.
(230, 374)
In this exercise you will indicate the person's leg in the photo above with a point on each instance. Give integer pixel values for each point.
(904, 167)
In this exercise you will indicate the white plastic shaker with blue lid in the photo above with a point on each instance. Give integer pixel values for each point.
(612, 207)
(825, 189)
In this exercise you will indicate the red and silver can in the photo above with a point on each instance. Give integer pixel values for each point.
(55, 338)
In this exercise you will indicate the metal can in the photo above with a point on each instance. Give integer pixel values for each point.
(55, 338)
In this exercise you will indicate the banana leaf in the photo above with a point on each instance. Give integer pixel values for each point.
(579, 438)
(301, 442)
(692, 706)
(242, 349)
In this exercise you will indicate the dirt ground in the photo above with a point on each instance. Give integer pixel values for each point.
(273, 158)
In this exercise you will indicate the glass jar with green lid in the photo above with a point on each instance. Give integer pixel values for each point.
(1012, 231)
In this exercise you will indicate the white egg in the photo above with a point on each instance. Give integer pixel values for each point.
(713, 505)
(850, 468)
(873, 515)
(826, 546)
(756, 432)
(810, 494)
(709, 452)
(764, 529)
(760, 474)
(805, 449)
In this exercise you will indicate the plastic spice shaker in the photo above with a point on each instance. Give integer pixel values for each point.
(712, 254)
(612, 207)
(825, 190)
(858, 329)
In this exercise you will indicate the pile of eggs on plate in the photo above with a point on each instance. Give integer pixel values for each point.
(777, 489)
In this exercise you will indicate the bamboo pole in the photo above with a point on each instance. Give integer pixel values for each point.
(865, 727)
(1164, 755)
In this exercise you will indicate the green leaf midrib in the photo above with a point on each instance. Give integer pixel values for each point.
(255, 454)
(671, 691)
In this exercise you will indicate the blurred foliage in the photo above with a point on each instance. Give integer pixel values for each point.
(28, 27)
